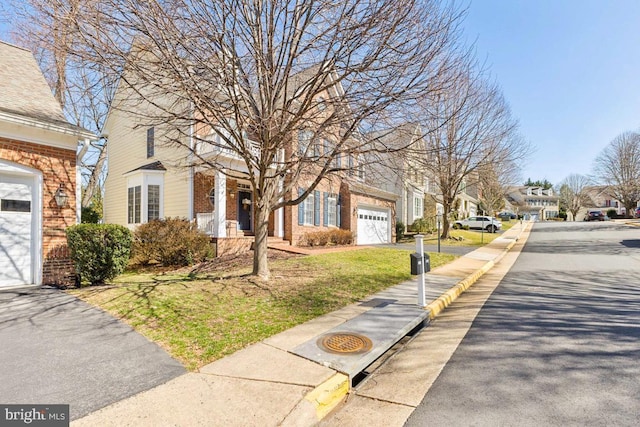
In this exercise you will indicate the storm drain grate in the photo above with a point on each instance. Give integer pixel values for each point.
(345, 343)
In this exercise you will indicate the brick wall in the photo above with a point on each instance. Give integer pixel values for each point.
(293, 231)
(350, 205)
(58, 166)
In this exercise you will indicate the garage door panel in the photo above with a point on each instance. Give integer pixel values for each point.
(15, 231)
(373, 226)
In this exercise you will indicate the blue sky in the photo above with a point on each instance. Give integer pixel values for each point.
(570, 69)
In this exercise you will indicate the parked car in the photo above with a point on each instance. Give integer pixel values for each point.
(638, 212)
(478, 223)
(594, 216)
(507, 215)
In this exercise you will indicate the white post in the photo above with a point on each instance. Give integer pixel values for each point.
(220, 209)
(420, 250)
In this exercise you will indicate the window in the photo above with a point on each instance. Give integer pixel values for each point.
(11, 205)
(309, 204)
(321, 103)
(150, 142)
(153, 202)
(337, 162)
(331, 207)
(304, 141)
(144, 196)
(417, 207)
(134, 205)
(309, 208)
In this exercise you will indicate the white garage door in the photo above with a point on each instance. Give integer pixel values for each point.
(15, 230)
(374, 226)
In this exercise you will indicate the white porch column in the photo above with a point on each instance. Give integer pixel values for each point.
(220, 210)
(279, 216)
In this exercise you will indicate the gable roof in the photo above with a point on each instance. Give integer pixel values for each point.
(25, 94)
(155, 166)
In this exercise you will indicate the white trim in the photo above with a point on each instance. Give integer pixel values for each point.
(15, 169)
(51, 127)
(220, 205)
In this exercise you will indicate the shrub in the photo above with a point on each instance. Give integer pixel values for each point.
(170, 242)
(424, 225)
(327, 237)
(100, 251)
(400, 229)
(90, 215)
(612, 213)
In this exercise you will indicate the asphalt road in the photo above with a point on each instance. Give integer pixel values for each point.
(557, 343)
(55, 348)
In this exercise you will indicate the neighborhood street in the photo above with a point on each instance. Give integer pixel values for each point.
(557, 343)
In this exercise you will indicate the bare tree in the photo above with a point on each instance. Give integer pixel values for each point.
(493, 180)
(257, 72)
(472, 130)
(573, 193)
(618, 166)
(84, 91)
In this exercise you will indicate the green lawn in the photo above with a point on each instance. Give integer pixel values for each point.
(466, 237)
(200, 317)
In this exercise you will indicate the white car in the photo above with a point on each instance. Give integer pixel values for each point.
(479, 222)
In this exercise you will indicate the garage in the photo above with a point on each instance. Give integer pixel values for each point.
(16, 220)
(374, 226)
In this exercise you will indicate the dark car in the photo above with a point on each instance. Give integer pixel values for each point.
(638, 212)
(507, 215)
(594, 216)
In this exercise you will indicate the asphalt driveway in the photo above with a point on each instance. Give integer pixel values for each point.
(55, 348)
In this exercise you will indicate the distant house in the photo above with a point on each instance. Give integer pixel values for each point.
(39, 189)
(601, 198)
(468, 196)
(534, 202)
(149, 179)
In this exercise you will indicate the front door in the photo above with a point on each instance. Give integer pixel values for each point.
(245, 207)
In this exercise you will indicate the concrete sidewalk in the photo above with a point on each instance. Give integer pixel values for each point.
(271, 384)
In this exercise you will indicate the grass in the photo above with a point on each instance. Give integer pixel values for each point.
(466, 237)
(200, 316)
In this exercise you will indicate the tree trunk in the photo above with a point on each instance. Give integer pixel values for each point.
(446, 223)
(261, 226)
(94, 180)
(574, 212)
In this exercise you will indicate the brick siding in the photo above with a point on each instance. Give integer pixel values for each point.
(58, 166)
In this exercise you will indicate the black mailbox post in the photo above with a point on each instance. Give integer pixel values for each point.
(419, 266)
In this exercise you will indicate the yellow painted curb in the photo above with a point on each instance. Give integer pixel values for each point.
(329, 394)
(445, 300)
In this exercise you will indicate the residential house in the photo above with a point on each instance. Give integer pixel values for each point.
(468, 196)
(534, 202)
(399, 171)
(601, 198)
(39, 185)
(149, 179)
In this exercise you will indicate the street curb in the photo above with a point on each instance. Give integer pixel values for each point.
(329, 394)
(446, 299)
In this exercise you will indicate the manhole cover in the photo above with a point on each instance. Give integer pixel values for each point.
(345, 343)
